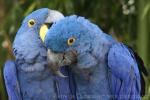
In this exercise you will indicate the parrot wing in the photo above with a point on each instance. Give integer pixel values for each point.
(11, 82)
(142, 69)
(124, 73)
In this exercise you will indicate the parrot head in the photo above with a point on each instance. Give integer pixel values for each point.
(27, 44)
(74, 35)
(37, 23)
(71, 33)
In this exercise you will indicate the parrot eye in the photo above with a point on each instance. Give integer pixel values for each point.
(31, 22)
(71, 41)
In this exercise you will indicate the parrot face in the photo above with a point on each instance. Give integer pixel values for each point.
(35, 24)
(72, 35)
(69, 34)
(27, 41)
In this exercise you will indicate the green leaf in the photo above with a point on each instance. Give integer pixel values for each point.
(146, 10)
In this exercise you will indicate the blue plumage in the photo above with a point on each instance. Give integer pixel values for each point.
(105, 68)
(29, 76)
(12, 82)
(123, 66)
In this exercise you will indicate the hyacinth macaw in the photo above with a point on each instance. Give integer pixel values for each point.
(29, 76)
(105, 68)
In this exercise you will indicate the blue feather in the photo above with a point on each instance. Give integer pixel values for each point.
(123, 67)
(11, 81)
(105, 69)
(31, 70)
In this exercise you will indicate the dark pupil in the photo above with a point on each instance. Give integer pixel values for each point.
(32, 23)
(71, 40)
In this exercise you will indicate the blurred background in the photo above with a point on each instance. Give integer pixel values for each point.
(126, 20)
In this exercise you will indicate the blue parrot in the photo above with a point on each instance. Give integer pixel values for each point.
(29, 77)
(105, 69)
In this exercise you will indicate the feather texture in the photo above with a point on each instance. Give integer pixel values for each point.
(106, 69)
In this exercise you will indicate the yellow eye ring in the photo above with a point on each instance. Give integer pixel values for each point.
(71, 41)
(31, 22)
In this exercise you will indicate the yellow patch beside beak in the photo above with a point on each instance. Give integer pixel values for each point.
(43, 31)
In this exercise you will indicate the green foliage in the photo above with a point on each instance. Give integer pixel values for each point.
(120, 18)
(146, 10)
